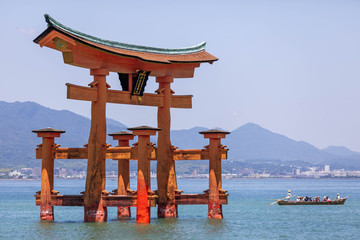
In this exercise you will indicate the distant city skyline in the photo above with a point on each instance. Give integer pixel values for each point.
(290, 66)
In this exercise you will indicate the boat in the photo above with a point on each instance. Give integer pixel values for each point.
(332, 202)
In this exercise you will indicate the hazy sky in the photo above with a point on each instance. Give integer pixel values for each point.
(292, 67)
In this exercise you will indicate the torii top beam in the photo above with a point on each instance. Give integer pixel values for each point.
(90, 52)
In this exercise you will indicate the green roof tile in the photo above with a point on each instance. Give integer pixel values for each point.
(168, 51)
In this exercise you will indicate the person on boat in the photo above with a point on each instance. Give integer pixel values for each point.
(338, 197)
(327, 199)
(289, 195)
(317, 199)
(298, 199)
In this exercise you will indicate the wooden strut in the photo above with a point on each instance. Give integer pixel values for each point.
(215, 188)
(166, 176)
(143, 181)
(128, 153)
(47, 180)
(76, 92)
(107, 200)
(94, 210)
(129, 200)
(47, 172)
(123, 212)
(214, 206)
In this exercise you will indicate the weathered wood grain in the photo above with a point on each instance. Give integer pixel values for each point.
(198, 199)
(108, 201)
(123, 153)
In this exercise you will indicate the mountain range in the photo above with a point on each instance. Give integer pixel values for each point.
(249, 142)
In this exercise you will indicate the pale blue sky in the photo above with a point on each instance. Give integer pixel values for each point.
(292, 67)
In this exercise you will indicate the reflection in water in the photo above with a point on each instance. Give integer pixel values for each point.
(143, 230)
(215, 225)
(96, 230)
(158, 228)
(46, 229)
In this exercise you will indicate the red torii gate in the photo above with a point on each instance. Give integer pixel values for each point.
(102, 57)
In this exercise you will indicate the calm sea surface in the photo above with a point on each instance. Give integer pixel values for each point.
(247, 216)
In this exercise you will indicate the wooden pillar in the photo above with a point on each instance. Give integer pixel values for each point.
(215, 150)
(47, 171)
(166, 176)
(123, 172)
(143, 183)
(95, 178)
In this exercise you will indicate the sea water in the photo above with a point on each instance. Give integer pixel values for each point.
(247, 216)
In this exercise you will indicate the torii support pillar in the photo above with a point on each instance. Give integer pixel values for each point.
(143, 182)
(47, 171)
(215, 150)
(123, 172)
(95, 178)
(166, 176)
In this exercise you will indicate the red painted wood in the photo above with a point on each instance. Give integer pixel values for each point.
(143, 184)
(215, 152)
(166, 176)
(47, 180)
(144, 148)
(95, 179)
(198, 199)
(123, 212)
(108, 201)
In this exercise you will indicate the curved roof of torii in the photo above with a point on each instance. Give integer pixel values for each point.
(194, 54)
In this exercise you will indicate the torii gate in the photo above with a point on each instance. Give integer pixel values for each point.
(102, 57)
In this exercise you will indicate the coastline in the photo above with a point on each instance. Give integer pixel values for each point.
(183, 178)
